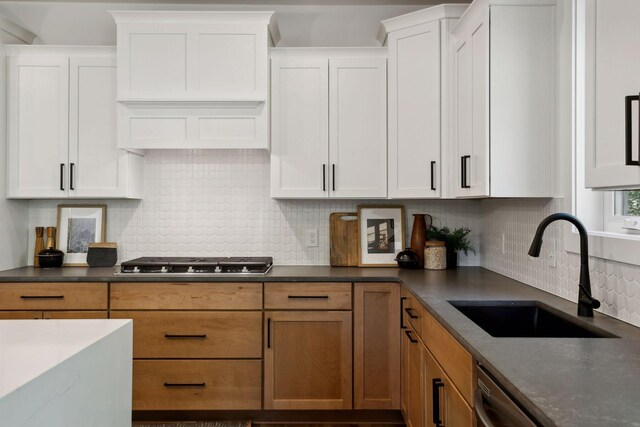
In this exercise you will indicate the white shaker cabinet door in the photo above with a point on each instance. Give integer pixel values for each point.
(97, 168)
(612, 37)
(358, 127)
(300, 127)
(414, 111)
(472, 112)
(38, 127)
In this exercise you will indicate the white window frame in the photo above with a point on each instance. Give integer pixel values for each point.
(595, 208)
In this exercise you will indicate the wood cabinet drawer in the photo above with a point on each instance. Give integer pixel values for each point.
(454, 359)
(196, 384)
(412, 312)
(193, 334)
(307, 296)
(186, 296)
(20, 315)
(75, 315)
(53, 296)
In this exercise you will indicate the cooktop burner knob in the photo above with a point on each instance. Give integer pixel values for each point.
(136, 270)
(218, 270)
(190, 270)
(164, 270)
(245, 270)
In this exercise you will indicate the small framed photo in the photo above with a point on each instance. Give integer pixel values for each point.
(79, 225)
(380, 235)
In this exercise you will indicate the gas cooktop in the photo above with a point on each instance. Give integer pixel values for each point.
(197, 265)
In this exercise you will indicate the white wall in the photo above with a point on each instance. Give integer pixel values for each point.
(13, 214)
(91, 24)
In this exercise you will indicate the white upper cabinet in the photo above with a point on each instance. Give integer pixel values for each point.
(328, 123)
(419, 100)
(358, 127)
(300, 127)
(612, 86)
(193, 79)
(62, 126)
(505, 96)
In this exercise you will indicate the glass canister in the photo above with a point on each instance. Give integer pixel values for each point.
(435, 255)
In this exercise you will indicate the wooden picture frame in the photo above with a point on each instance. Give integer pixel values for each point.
(73, 237)
(380, 218)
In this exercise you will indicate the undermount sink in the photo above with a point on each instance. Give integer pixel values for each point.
(526, 319)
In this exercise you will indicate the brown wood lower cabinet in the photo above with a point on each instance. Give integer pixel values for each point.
(6, 315)
(413, 376)
(444, 405)
(196, 384)
(376, 346)
(20, 315)
(307, 360)
(195, 334)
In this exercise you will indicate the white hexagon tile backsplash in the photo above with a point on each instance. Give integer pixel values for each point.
(217, 202)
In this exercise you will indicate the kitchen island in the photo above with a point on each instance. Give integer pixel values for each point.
(561, 382)
(65, 373)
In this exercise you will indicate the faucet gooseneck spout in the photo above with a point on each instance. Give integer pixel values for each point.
(586, 303)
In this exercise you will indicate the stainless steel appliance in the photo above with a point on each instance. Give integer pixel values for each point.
(194, 266)
(494, 408)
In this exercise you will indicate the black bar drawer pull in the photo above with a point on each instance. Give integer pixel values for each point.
(333, 176)
(436, 383)
(41, 296)
(185, 384)
(628, 131)
(269, 332)
(433, 174)
(465, 172)
(412, 339)
(402, 299)
(72, 167)
(61, 176)
(185, 336)
(308, 297)
(324, 177)
(409, 311)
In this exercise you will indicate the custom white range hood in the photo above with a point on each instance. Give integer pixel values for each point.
(193, 79)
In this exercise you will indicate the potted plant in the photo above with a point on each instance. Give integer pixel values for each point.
(455, 241)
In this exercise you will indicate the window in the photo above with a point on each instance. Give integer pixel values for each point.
(622, 212)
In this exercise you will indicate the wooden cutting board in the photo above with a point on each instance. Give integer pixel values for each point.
(343, 233)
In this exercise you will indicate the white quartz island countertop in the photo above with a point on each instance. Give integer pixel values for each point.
(65, 373)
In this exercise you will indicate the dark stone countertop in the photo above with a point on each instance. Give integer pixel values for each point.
(560, 381)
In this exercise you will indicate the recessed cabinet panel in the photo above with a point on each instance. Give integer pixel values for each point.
(308, 360)
(157, 62)
(227, 62)
(414, 111)
(358, 127)
(300, 128)
(38, 127)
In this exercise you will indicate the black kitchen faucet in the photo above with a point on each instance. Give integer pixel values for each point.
(586, 303)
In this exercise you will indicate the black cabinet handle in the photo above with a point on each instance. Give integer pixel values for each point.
(402, 299)
(324, 177)
(463, 167)
(61, 176)
(41, 296)
(72, 167)
(409, 311)
(333, 177)
(269, 332)
(628, 131)
(436, 383)
(433, 173)
(185, 336)
(185, 384)
(308, 297)
(412, 339)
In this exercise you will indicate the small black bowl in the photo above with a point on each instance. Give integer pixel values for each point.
(50, 258)
(407, 259)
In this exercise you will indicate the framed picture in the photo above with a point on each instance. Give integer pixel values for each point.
(380, 235)
(79, 225)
